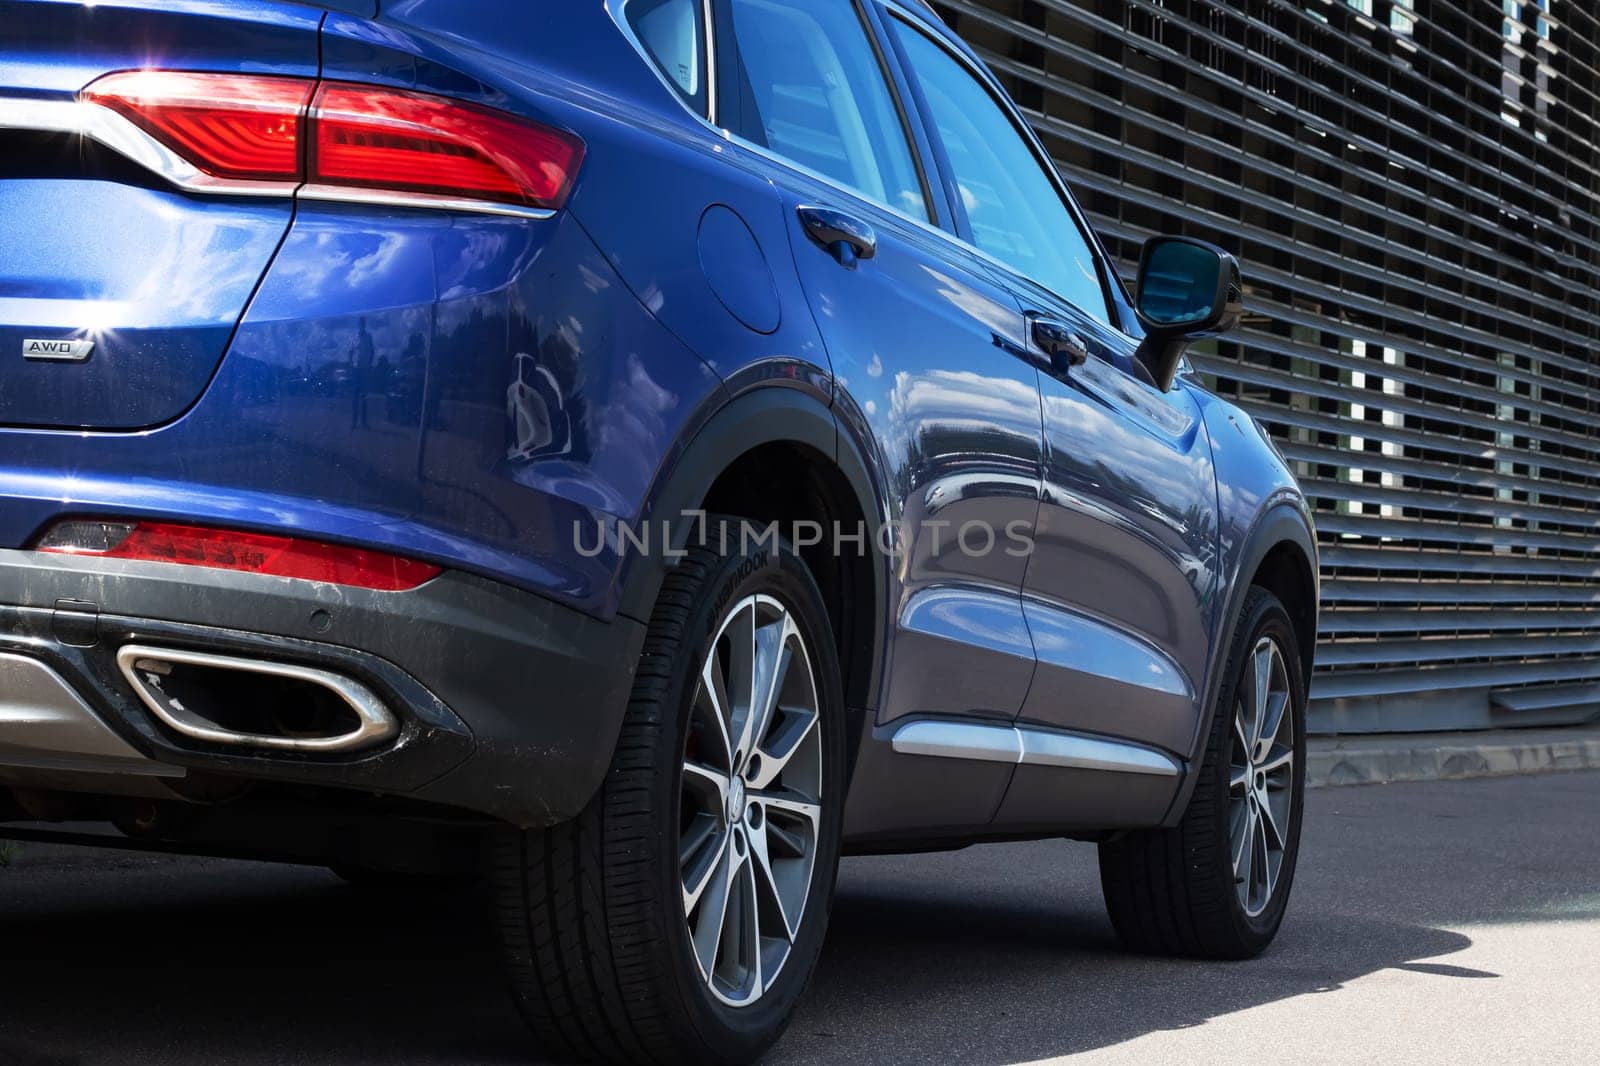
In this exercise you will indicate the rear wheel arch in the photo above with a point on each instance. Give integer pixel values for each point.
(779, 454)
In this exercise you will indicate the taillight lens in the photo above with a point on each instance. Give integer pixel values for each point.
(378, 139)
(222, 549)
(228, 125)
(346, 136)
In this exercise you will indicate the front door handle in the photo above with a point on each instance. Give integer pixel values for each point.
(845, 237)
(1062, 343)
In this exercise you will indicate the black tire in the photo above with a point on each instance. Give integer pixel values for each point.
(1173, 891)
(591, 912)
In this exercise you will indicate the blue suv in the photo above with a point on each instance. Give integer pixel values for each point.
(631, 452)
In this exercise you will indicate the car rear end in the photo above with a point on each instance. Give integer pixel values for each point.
(305, 362)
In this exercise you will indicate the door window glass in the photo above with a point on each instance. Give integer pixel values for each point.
(810, 87)
(1016, 212)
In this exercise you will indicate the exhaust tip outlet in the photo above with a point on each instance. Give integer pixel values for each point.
(256, 703)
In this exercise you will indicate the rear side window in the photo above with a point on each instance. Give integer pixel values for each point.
(809, 86)
(673, 34)
(1016, 213)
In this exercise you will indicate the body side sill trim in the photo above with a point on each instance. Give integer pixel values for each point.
(1025, 746)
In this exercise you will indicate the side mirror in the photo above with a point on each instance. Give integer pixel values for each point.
(1187, 289)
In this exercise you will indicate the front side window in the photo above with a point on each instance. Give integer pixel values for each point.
(810, 88)
(1016, 212)
(673, 33)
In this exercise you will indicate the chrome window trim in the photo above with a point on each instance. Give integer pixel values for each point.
(113, 131)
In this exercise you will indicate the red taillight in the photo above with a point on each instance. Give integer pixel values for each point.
(380, 139)
(222, 549)
(348, 137)
(228, 125)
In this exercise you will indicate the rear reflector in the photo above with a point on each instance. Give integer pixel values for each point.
(228, 125)
(256, 553)
(346, 136)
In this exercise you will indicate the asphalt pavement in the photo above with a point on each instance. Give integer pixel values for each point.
(1454, 921)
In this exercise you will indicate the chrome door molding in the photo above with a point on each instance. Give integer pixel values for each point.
(1027, 746)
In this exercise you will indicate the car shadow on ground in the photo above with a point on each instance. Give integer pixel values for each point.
(998, 954)
(948, 980)
(176, 961)
(207, 962)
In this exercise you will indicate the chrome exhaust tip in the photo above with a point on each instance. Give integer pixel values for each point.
(256, 703)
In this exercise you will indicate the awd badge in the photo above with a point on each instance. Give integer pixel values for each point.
(63, 350)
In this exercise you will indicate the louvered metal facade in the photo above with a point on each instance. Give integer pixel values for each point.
(1411, 186)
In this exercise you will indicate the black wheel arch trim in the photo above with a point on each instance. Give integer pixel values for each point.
(772, 413)
(1283, 520)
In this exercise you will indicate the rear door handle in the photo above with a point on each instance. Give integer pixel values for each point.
(843, 236)
(1062, 343)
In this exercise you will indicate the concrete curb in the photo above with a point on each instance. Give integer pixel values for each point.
(1390, 757)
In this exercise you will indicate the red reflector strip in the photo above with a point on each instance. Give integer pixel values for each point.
(237, 126)
(256, 553)
(386, 139)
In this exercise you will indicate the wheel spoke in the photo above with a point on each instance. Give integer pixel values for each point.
(767, 883)
(1262, 872)
(790, 803)
(714, 691)
(781, 747)
(700, 856)
(1238, 777)
(709, 783)
(1243, 839)
(770, 659)
(1277, 708)
(713, 911)
(783, 843)
(1262, 677)
(1272, 834)
(1277, 760)
(738, 966)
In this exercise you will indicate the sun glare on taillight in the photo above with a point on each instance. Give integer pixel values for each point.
(347, 137)
(228, 125)
(223, 549)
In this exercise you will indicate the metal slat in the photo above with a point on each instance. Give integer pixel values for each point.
(1446, 649)
(1433, 620)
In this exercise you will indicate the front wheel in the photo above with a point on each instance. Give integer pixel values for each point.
(679, 917)
(1217, 884)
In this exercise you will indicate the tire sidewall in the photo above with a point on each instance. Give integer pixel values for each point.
(742, 1033)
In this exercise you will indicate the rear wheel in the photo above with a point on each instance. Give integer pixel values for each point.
(679, 917)
(1217, 885)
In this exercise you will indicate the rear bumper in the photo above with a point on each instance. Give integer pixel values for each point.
(509, 704)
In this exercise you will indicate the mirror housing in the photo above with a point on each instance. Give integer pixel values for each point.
(1187, 290)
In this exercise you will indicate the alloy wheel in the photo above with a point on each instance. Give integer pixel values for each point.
(1261, 776)
(750, 800)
